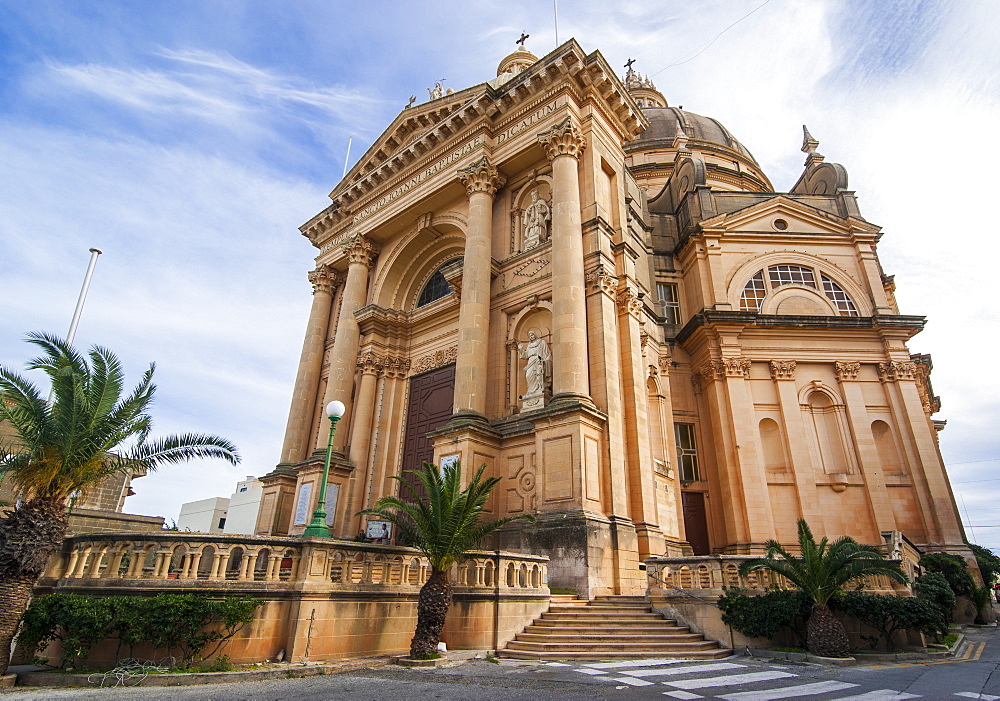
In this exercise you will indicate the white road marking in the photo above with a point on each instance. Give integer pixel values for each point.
(684, 695)
(591, 671)
(632, 681)
(974, 695)
(880, 695)
(556, 664)
(789, 692)
(684, 670)
(728, 680)
(634, 663)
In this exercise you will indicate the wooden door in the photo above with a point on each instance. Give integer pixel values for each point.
(431, 403)
(695, 522)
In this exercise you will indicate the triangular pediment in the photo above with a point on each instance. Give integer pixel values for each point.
(790, 215)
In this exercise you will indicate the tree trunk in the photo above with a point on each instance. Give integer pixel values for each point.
(825, 634)
(432, 608)
(29, 535)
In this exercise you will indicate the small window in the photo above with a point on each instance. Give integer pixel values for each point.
(791, 275)
(839, 298)
(753, 294)
(243, 489)
(687, 452)
(222, 522)
(670, 308)
(436, 287)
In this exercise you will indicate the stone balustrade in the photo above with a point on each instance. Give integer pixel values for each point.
(707, 575)
(157, 559)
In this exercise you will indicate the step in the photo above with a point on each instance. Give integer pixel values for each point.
(716, 654)
(618, 639)
(600, 616)
(584, 629)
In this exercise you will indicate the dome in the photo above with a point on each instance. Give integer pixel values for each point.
(516, 62)
(662, 129)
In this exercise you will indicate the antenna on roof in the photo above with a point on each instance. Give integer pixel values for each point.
(347, 158)
(555, 12)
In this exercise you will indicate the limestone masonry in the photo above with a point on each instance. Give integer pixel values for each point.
(602, 298)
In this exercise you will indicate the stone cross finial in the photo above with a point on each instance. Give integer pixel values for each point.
(524, 38)
(413, 98)
(628, 64)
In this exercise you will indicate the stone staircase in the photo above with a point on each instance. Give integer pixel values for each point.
(607, 628)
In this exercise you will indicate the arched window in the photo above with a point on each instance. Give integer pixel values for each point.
(839, 298)
(436, 287)
(757, 288)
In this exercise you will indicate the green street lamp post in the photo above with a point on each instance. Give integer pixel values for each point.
(317, 528)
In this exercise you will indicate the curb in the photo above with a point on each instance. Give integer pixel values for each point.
(7, 680)
(860, 660)
(290, 671)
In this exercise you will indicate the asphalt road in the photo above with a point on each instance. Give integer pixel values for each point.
(734, 679)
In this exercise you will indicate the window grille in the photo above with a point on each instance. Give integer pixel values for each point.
(687, 452)
(670, 308)
(753, 294)
(791, 275)
(839, 298)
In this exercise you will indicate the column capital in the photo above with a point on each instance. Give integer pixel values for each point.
(360, 249)
(603, 279)
(324, 279)
(481, 176)
(895, 370)
(370, 363)
(736, 367)
(783, 369)
(847, 370)
(563, 139)
(628, 302)
(395, 367)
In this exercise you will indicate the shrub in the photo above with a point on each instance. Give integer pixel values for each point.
(934, 588)
(763, 616)
(890, 614)
(954, 570)
(981, 598)
(189, 623)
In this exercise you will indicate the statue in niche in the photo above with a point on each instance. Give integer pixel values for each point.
(537, 371)
(536, 220)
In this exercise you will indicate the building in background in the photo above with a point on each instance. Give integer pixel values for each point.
(236, 514)
(602, 298)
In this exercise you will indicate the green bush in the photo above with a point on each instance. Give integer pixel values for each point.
(763, 616)
(187, 623)
(954, 569)
(890, 614)
(934, 588)
(989, 564)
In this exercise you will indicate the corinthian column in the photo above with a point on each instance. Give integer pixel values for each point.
(564, 144)
(481, 180)
(324, 280)
(361, 253)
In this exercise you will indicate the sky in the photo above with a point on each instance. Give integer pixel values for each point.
(189, 140)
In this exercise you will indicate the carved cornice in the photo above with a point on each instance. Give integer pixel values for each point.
(324, 279)
(563, 139)
(481, 177)
(433, 360)
(603, 279)
(628, 302)
(896, 370)
(360, 249)
(783, 369)
(847, 370)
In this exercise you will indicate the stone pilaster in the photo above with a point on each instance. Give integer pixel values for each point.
(861, 426)
(370, 366)
(481, 181)
(296, 447)
(361, 253)
(564, 144)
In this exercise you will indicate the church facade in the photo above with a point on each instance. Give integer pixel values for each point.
(603, 299)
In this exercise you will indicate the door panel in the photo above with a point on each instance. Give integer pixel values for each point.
(431, 402)
(696, 522)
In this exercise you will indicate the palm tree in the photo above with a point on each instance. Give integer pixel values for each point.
(87, 430)
(820, 572)
(444, 525)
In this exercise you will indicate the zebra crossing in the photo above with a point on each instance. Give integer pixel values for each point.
(688, 680)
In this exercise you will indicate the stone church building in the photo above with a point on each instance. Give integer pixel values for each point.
(603, 299)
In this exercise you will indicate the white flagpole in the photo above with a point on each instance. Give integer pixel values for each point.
(347, 158)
